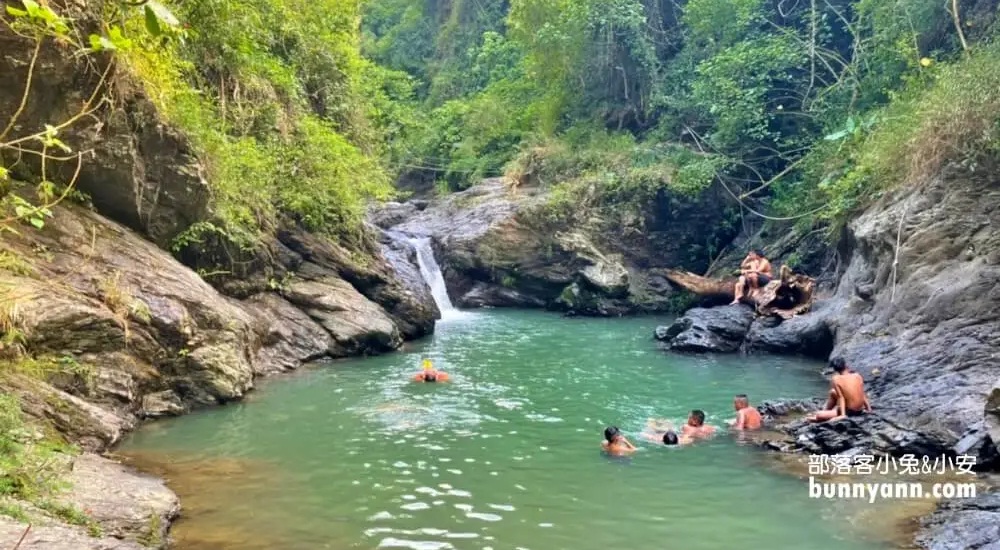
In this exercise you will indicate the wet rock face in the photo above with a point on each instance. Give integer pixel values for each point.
(718, 329)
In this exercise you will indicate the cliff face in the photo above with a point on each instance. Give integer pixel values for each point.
(497, 247)
(917, 306)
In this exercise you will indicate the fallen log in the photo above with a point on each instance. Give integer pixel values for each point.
(787, 296)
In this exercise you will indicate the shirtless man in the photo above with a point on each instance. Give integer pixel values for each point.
(662, 431)
(747, 417)
(755, 272)
(430, 374)
(615, 443)
(847, 394)
(696, 426)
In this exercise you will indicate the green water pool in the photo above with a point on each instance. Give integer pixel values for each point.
(506, 456)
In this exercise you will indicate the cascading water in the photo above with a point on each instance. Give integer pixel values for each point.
(432, 274)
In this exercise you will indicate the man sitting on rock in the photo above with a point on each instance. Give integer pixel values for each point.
(755, 272)
(747, 417)
(847, 394)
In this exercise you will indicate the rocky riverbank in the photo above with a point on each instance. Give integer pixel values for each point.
(914, 310)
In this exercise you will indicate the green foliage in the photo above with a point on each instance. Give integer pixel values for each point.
(951, 115)
(30, 466)
(768, 99)
(280, 104)
(71, 515)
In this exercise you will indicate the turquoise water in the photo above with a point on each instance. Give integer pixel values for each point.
(506, 456)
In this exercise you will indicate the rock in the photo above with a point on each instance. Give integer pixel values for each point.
(371, 275)
(164, 403)
(127, 505)
(806, 334)
(400, 253)
(492, 236)
(926, 337)
(55, 536)
(774, 409)
(289, 336)
(88, 425)
(718, 329)
(357, 325)
(391, 214)
(992, 420)
(870, 434)
(666, 332)
(963, 524)
(487, 295)
(139, 171)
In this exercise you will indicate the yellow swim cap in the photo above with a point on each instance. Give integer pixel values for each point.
(427, 364)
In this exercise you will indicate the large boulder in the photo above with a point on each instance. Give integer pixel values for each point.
(290, 337)
(357, 325)
(718, 329)
(806, 334)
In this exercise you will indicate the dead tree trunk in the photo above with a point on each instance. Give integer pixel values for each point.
(786, 296)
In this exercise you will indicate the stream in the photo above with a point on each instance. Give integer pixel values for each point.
(351, 454)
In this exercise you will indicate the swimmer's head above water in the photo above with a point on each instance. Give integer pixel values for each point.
(612, 433)
(430, 377)
(670, 438)
(697, 418)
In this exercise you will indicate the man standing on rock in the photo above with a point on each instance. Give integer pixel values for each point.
(755, 272)
(847, 394)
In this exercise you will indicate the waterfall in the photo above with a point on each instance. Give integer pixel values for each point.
(432, 274)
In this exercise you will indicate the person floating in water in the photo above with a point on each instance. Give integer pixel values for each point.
(755, 272)
(847, 394)
(747, 417)
(662, 431)
(615, 443)
(430, 374)
(696, 426)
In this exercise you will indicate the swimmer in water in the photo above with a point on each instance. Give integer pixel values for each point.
(615, 443)
(430, 374)
(747, 417)
(696, 426)
(662, 431)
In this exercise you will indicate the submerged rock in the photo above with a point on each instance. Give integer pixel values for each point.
(719, 329)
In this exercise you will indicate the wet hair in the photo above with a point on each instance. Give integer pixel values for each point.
(742, 397)
(838, 364)
(428, 377)
(699, 415)
(670, 438)
(759, 252)
(610, 432)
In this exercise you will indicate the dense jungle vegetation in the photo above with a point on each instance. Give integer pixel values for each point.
(802, 109)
